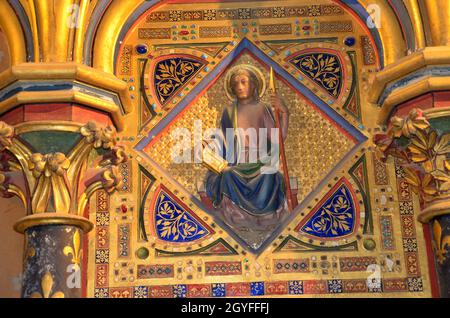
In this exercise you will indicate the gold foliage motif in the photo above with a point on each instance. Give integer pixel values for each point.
(8, 165)
(423, 154)
(115, 157)
(104, 137)
(50, 172)
(111, 179)
(6, 134)
(174, 223)
(104, 169)
(49, 165)
(335, 217)
(324, 69)
(46, 288)
(172, 74)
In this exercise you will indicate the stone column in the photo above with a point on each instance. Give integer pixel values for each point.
(53, 257)
(55, 189)
(441, 243)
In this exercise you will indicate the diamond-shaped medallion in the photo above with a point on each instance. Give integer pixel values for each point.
(318, 139)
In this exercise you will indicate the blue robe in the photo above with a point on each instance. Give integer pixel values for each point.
(256, 193)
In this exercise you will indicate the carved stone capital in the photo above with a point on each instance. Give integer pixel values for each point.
(59, 182)
(424, 154)
(100, 137)
(54, 164)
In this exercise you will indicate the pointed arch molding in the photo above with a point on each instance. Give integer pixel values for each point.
(112, 20)
(11, 26)
(121, 17)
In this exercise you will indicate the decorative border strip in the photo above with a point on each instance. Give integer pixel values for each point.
(102, 220)
(249, 289)
(409, 240)
(243, 13)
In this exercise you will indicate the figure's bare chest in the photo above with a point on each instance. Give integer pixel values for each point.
(250, 117)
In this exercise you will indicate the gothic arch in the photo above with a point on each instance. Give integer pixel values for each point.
(11, 26)
(118, 19)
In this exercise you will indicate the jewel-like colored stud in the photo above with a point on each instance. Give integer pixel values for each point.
(141, 49)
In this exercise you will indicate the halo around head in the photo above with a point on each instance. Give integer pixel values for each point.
(250, 68)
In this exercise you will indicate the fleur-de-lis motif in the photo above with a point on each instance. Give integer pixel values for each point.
(440, 242)
(46, 288)
(75, 251)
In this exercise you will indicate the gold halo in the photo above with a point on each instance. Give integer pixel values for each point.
(250, 68)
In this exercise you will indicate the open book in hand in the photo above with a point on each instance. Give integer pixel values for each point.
(211, 159)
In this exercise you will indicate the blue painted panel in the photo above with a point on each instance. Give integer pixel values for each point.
(335, 217)
(323, 68)
(173, 223)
